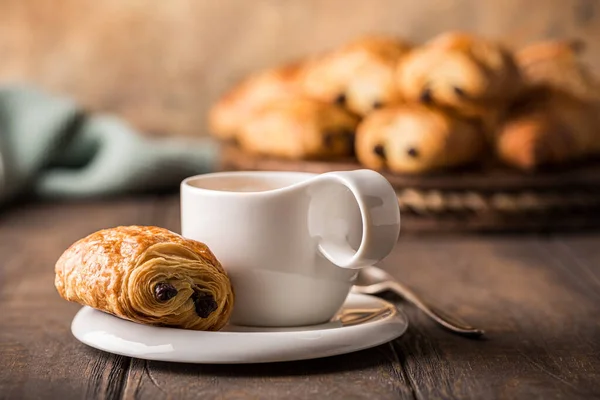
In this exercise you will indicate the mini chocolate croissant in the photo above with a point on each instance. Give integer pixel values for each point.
(300, 128)
(558, 63)
(549, 127)
(147, 275)
(360, 75)
(472, 76)
(230, 112)
(415, 138)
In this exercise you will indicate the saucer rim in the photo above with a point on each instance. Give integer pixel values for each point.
(397, 319)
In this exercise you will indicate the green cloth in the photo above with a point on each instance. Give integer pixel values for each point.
(51, 148)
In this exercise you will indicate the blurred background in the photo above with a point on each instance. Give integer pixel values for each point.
(160, 65)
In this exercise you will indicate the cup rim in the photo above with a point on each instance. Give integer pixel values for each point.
(186, 183)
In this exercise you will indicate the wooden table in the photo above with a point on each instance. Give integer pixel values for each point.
(538, 298)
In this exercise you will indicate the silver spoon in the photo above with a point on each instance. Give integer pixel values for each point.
(373, 280)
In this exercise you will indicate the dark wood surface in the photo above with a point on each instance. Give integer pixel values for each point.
(537, 297)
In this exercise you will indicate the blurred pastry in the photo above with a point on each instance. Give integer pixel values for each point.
(559, 63)
(470, 75)
(359, 75)
(416, 138)
(549, 127)
(236, 106)
(300, 128)
(147, 275)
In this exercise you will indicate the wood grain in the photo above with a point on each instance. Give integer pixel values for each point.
(162, 66)
(375, 373)
(39, 358)
(540, 316)
(537, 297)
(43, 359)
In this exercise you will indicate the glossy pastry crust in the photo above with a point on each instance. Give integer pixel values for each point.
(359, 75)
(415, 138)
(148, 275)
(301, 128)
(230, 112)
(470, 75)
(548, 126)
(559, 64)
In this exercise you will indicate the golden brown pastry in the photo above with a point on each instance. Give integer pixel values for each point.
(549, 126)
(559, 63)
(360, 75)
(230, 112)
(148, 275)
(472, 76)
(300, 128)
(415, 138)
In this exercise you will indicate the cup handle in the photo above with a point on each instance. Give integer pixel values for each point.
(380, 215)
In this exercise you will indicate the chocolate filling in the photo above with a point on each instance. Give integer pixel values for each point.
(204, 303)
(340, 100)
(377, 105)
(414, 153)
(164, 291)
(426, 96)
(459, 92)
(379, 150)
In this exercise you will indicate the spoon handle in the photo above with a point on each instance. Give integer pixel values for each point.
(449, 322)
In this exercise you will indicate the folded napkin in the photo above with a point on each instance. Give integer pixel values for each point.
(51, 148)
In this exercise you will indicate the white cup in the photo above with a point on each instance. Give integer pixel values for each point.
(291, 242)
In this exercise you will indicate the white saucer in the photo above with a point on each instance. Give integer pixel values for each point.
(363, 322)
